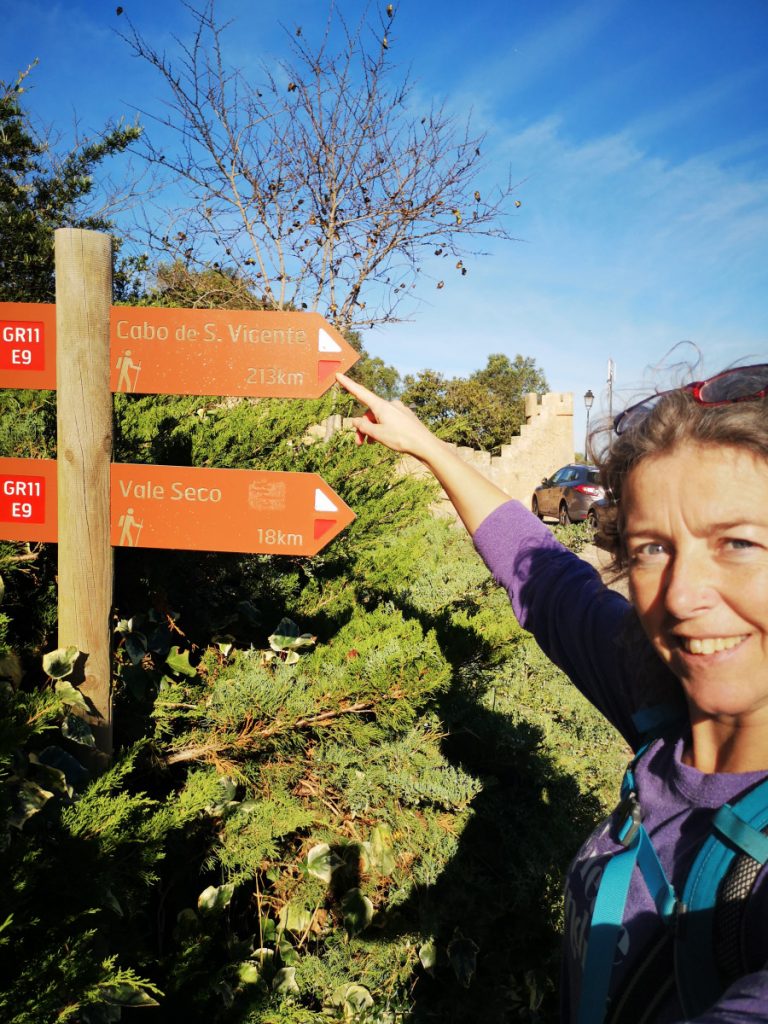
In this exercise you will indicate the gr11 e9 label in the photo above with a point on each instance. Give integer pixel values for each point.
(22, 499)
(28, 500)
(22, 345)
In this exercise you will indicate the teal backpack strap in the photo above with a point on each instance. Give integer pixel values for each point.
(737, 832)
(608, 911)
(653, 722)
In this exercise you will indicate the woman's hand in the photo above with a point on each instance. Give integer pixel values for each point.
(390, 423)
(394, 425)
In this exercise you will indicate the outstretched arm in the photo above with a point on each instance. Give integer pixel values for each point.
(395, 426)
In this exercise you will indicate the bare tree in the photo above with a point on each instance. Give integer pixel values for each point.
(319, 186)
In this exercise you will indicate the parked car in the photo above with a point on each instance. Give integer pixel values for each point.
(568, 494)
(601, 515)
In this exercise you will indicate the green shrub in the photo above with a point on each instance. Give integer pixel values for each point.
(363, 816)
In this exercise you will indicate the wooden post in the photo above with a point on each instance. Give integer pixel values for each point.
(84, 402)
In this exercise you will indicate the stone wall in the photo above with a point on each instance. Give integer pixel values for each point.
(545, 443)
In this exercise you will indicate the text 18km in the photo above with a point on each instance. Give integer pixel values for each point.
(277, 537)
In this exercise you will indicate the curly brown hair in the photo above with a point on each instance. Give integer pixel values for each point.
(676, 419)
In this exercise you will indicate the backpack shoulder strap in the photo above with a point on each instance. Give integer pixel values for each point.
(611, 898)
(738, 833)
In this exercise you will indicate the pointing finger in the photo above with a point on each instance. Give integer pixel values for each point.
(361, 393)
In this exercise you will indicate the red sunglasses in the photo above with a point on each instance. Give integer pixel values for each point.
(740, 384)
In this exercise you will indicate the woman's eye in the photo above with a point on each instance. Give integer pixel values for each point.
(738, 544)
(651, 551)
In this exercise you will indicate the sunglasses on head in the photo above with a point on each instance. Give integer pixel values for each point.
(740, 384)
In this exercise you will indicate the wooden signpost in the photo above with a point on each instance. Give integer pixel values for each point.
(84, 348)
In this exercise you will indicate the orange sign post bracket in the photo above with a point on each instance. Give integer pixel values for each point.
(224, 510)
(155, 351)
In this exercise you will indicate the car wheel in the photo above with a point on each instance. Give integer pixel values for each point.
(592, 519)
(563, 517)
(535, 508)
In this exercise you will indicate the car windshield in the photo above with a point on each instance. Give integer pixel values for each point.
(593, 476)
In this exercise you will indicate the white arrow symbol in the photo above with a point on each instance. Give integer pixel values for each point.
(323, 503)
(325, 342)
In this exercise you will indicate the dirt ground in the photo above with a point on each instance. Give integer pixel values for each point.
(599, 557)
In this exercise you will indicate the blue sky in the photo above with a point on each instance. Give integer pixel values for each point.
(638, 132)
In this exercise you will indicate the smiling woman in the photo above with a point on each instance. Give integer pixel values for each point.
(666, 901)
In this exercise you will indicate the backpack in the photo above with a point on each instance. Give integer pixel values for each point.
(701, 950)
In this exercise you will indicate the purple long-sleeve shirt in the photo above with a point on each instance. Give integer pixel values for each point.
(584, 628)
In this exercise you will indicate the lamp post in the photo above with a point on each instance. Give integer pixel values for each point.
(588, 400)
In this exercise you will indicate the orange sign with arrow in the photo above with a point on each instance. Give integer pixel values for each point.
(182, 508)
(156, 351)
(224, 510)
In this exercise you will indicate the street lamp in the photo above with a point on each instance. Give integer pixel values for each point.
(588, 400)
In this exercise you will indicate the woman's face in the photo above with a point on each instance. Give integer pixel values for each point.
(696, 532)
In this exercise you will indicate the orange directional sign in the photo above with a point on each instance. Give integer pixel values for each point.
(186, 351)
(28, 505)
(188, 509)
(224, 510)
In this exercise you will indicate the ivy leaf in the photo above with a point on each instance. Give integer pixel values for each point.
(357, 910)
(428, 956)
(263, 956)
(179, 662)
(215, 899)
(353, 999)
(462, 953)
(135, 647)
(125, 993)
(249, 613)
(30, 799)
(59, 663)
(71, 696)
(77, 730)
(294, 918)
(49, 776)
(288, 952)
(187, 925)
(287, 637)
(111, 901)
(249, 973)
(379, 851)
(55, 757)
(224, 801)
(225, 644)
(10, 668)
(322, 862)
(284, 982)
